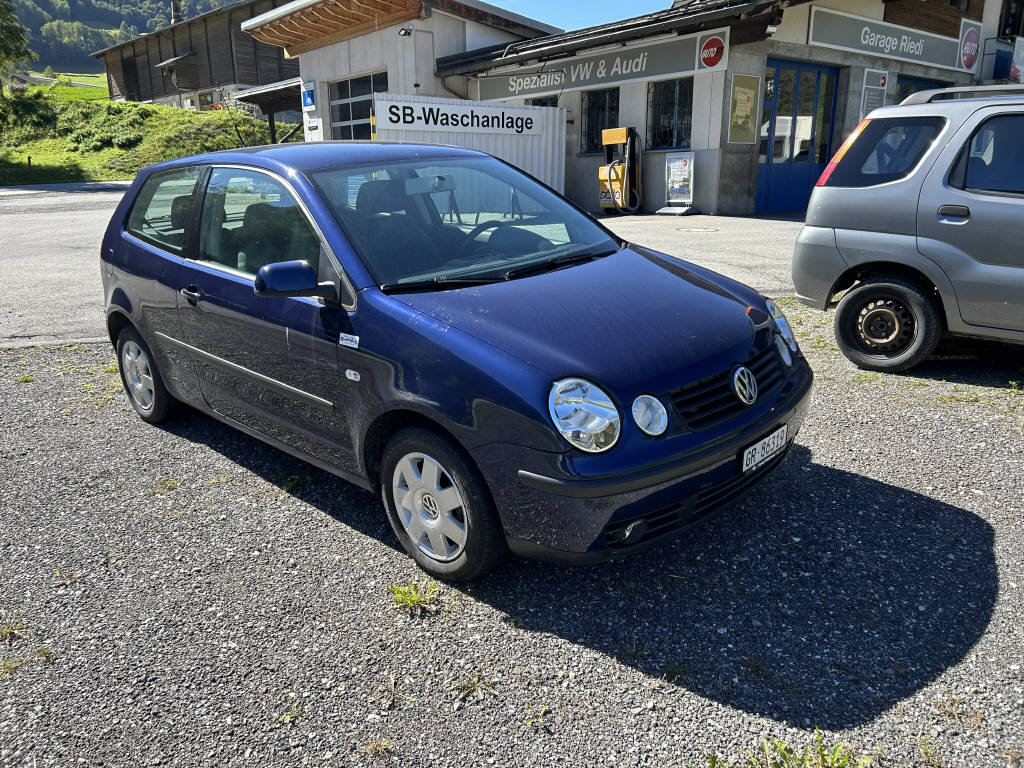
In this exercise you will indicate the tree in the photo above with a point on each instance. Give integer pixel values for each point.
(13, 39)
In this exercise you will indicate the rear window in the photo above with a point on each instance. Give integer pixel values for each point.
(888, 149)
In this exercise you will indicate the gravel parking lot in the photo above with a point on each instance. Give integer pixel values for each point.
(188, 596)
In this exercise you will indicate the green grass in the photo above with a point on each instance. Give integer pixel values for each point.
(87, 78)
(76, 134)
(289, 718)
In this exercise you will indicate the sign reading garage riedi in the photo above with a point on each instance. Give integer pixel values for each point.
(834, 29)
(680, 56)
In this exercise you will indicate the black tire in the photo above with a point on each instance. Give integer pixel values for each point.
(888, 324)
(162, 405)
(484, 547)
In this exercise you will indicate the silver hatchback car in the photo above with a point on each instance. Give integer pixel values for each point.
(918, 224)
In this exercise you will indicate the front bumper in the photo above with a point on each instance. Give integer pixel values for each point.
(551, 517)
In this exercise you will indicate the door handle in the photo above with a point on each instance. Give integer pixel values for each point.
(955, 211)
(192, 294)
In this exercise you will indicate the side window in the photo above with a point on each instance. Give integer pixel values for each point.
(250, 220)
(995, 156)
(161, 212)
(887, 149)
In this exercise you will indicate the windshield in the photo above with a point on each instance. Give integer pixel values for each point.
(443, 221)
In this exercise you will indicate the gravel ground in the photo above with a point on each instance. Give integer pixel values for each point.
(191, 597)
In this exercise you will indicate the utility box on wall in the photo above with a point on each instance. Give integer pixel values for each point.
(530, 138)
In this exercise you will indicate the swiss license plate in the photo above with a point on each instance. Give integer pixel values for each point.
(760, 452)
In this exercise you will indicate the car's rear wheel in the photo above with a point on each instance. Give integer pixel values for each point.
(141, 378)
(439, 507)
(887, 324)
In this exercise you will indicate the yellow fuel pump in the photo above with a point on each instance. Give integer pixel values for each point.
(620, 178)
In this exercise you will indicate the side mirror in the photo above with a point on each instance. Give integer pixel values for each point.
(292, 278)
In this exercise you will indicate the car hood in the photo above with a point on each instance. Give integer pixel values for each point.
(634, 321)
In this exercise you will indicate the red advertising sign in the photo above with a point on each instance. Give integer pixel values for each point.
(712, 51)
(969, 48)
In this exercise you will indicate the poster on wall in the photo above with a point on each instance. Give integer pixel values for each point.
(679, 178)
(1018, 60)
(743, 107)
(873, 93)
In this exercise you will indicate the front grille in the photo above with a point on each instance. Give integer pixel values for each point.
(705, 403)
(673, 519)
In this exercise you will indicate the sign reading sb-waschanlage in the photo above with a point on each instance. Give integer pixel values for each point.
(394, 113)
(835, 29)
(679, 56)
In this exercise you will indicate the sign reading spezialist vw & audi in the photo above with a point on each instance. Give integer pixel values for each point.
(680, 56)
(834, 29)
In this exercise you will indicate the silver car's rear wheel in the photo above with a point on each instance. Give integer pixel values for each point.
(138, 376)
(430, 507)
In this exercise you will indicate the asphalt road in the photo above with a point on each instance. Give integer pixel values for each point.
(49, 259)
(50, 238)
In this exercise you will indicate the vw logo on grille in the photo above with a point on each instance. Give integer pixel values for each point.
(745, 384)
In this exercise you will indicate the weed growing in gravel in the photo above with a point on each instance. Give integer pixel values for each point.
(537, 717)
(416, 598)
(9, 666)
(776, 753)
(13, 629)
(65, 578)
(868, 377)
(378, 748)
(166, 485)
(472, 686)
(45, 655)
(1013, 758)
(26, 379)
(930, 754)
(289, 718)
(953, 707)
(389, 695)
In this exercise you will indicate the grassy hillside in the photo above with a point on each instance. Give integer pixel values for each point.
(103, 140)
(65, 32)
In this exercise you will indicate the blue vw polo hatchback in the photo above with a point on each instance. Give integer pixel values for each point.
(431, 324)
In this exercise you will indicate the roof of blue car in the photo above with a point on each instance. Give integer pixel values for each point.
(323, 154)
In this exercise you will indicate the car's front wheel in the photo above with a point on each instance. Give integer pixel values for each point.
(887, 324)
(439, 507)
(141, 378)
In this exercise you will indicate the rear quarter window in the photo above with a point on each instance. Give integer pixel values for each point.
(888, 149)
(162, 212)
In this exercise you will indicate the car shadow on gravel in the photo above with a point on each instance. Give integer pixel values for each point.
(974, 361)
(823, 599)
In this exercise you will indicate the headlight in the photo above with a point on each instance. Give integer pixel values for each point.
(650, 415)
(584, 415)
(785, 329)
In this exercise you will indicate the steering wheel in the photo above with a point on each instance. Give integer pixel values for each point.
(477, 231)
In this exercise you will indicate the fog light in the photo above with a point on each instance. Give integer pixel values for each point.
(634, 530)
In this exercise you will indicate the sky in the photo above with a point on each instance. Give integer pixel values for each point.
(575, 14)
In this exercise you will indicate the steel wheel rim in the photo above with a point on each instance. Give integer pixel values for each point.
(884, 326)
(138, 375)
(430, 507)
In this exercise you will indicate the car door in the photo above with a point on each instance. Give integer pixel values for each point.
(971, 217)
(267, 363)
(156, 235)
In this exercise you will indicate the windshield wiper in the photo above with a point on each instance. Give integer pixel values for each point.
(557, 261)
(438, 283)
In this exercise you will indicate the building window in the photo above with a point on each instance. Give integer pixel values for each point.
(351, 105)
(906, 85)
(600, 111)
(543, 101)
(669, 114)
(960, 5)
